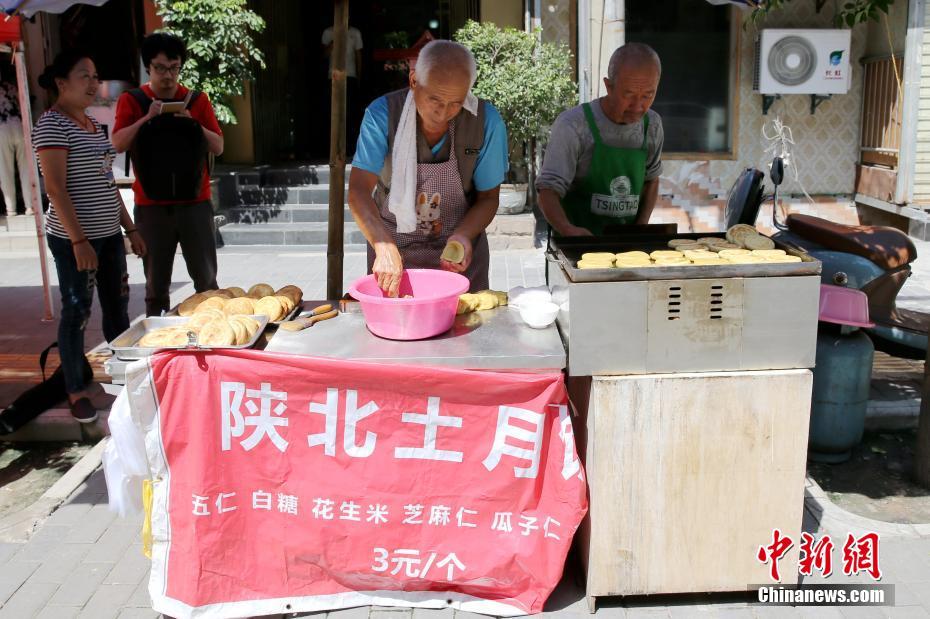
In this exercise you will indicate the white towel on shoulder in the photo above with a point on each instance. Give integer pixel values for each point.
(402, 199)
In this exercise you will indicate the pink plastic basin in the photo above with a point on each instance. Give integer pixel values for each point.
(844, 306)
(430, 312)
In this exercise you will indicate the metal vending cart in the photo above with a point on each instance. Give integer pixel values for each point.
(693, 385)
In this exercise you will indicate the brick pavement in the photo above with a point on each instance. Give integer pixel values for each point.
(85, 562)
(24, 334)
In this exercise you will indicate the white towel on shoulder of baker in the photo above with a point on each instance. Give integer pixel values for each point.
(402, 199)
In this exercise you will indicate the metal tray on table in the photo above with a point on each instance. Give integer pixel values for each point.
(569, 251)
(124, 346)
(173, 312)
(291, 314)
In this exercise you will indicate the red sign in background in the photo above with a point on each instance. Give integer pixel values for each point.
(296, 484)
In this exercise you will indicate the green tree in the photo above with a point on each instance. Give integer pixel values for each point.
(845, 13)
(222, 54)
(528, 81)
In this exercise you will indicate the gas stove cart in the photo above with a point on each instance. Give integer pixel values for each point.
(693, 388)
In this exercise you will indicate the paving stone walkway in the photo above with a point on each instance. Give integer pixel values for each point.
(85, 562)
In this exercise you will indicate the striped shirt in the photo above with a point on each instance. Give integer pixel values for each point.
(90, 183)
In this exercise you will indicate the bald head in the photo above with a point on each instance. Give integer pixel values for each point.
(447, 57)
(632, 82)
(633, 56)
(440, 81)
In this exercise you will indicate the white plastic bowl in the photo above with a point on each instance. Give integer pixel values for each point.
(539, 315)
(520, 296)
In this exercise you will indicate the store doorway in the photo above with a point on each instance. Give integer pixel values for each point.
(291, 97)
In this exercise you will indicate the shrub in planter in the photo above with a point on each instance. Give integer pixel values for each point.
(528, 81)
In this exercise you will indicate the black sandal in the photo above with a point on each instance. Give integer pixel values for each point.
(83, 411)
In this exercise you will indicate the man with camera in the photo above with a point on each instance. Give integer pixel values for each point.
(169, 131)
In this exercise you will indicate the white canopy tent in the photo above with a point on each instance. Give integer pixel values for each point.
(28, 8)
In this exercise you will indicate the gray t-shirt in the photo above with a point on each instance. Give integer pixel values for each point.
(571, 145)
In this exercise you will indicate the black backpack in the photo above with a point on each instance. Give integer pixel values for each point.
(169, 154)
(40, 398)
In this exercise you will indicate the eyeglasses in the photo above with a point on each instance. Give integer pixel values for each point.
(163, 70)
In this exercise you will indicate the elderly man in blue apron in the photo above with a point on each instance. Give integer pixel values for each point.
(427, 171)
(604, 158)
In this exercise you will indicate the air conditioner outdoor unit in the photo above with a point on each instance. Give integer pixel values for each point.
(802, 62)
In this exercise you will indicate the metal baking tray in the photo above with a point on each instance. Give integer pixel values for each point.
(569, 251)
(124, 346)
(290, 315)
(173, 312)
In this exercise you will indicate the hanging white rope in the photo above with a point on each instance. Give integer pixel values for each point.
(781, 144)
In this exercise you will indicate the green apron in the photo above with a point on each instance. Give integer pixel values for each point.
(610, 193)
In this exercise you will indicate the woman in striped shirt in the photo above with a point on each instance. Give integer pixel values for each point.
(84, 221)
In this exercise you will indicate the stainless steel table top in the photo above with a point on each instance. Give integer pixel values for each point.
(490, 340)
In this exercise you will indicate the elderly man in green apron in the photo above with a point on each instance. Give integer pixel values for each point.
(604, 158)
(427, 171)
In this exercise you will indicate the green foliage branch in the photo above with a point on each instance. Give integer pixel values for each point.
(845, 14)
(222, 52)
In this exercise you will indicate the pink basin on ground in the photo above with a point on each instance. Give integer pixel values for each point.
(430, 312)
(844, 306)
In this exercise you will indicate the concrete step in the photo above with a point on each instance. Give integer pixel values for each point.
(301, 175)
(292, 250)
(18, 241)
(57, 424)
(286, 234)
(512, 232)
(307, 225)
(919, 228)
(275, 176)
(286, 213)
(19, 223)
(276, 196)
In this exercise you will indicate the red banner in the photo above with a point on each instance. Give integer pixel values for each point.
(291, 484)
